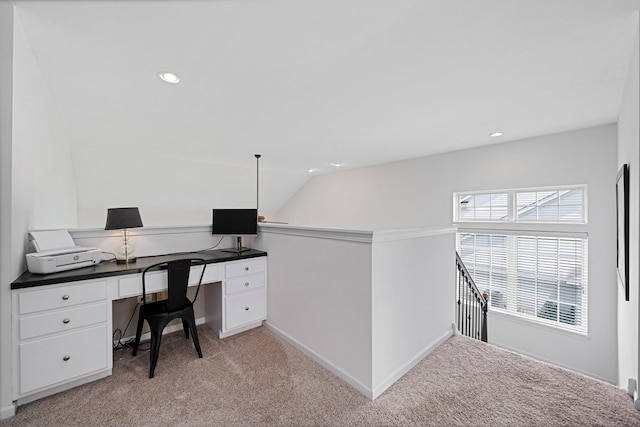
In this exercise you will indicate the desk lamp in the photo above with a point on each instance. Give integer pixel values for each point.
(123, 219)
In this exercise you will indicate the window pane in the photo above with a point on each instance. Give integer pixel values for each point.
(570, 293)
(547, 291)
(526, 295)
(483, 212)
(483, 200)
(565, 205)
(547, 198)
(501, 213)
(571, 197)
(567, 314)
(483, 207)
(570, 213)
(548, 310)
(548, 213)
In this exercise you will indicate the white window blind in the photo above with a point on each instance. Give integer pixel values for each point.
(564, 205)
(550, 205)
(539, 277)
(488, 206)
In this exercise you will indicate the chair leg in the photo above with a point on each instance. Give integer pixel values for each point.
(194, 334)
(185, 327)
(136, 342)
(156, 337)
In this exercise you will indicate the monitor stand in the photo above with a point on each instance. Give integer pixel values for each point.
(238, 249)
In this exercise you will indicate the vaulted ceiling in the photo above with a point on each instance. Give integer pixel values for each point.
(312, 83)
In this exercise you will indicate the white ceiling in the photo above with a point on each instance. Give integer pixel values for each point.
(310, 82)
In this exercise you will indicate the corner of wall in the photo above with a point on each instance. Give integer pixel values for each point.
(7, 409)
(628, 329)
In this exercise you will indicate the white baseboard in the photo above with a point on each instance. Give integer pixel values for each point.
(370, 392)
(7, 412)
(554, 363)
(384, 385)
(337, 371)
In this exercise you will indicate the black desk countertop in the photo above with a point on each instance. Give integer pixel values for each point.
(111, 268)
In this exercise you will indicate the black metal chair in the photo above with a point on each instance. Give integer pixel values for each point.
(158, 314)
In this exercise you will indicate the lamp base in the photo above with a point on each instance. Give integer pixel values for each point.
(125, 261)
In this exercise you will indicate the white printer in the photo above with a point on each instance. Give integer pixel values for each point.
(56, 251)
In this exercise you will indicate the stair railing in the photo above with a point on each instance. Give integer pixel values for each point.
(472, 305)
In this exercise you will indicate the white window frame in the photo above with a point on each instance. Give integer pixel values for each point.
(525, 228)
(512, 204)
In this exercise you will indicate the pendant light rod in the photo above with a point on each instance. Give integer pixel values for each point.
(257, 184)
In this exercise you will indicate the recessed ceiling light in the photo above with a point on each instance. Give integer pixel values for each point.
(168, 77)
(311, 170)
(496, 134)
(337, 165)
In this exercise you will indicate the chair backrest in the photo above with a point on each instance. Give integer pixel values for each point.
(177, 280)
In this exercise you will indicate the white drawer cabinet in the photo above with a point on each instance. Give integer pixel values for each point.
(54, 321)
(60, 358)
(48, 297)
(245, 268)
(242, 284)
(62, 336)
(243, 309)
(240, 303)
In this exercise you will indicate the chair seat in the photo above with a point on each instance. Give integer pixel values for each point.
(162, 307)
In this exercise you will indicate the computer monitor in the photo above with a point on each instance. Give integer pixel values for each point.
(235, 223)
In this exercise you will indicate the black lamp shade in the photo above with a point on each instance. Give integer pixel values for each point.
(119, 218)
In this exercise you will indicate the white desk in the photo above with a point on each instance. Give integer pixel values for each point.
(62, 323)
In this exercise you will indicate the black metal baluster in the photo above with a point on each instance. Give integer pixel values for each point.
(472, 305)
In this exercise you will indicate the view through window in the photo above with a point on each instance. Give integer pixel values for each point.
(528, 271)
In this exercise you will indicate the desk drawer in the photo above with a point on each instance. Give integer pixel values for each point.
(242, 268)
(156, 281)
(42, 363)
(245, 308)
(213, 273)
(242, 284)
(62, 320)
(62, 296)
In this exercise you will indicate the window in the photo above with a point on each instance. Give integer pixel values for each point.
(557, 205)
(538, 273)
(542, 278)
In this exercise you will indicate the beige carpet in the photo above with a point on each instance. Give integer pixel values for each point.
(256, 379)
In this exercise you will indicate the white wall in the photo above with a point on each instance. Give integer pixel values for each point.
(413, 306)
(38, 187)
(7, 269)
(418, 193)
(319, 297)
(44, 189)
(629, 152)
(367, 305)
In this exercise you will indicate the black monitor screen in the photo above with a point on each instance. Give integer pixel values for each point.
(235, 222)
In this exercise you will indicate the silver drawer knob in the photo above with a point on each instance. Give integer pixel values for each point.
(246, 269)
(246, 309)
(67, 320)
(65, 297)
(66, 358)
(246, 284)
